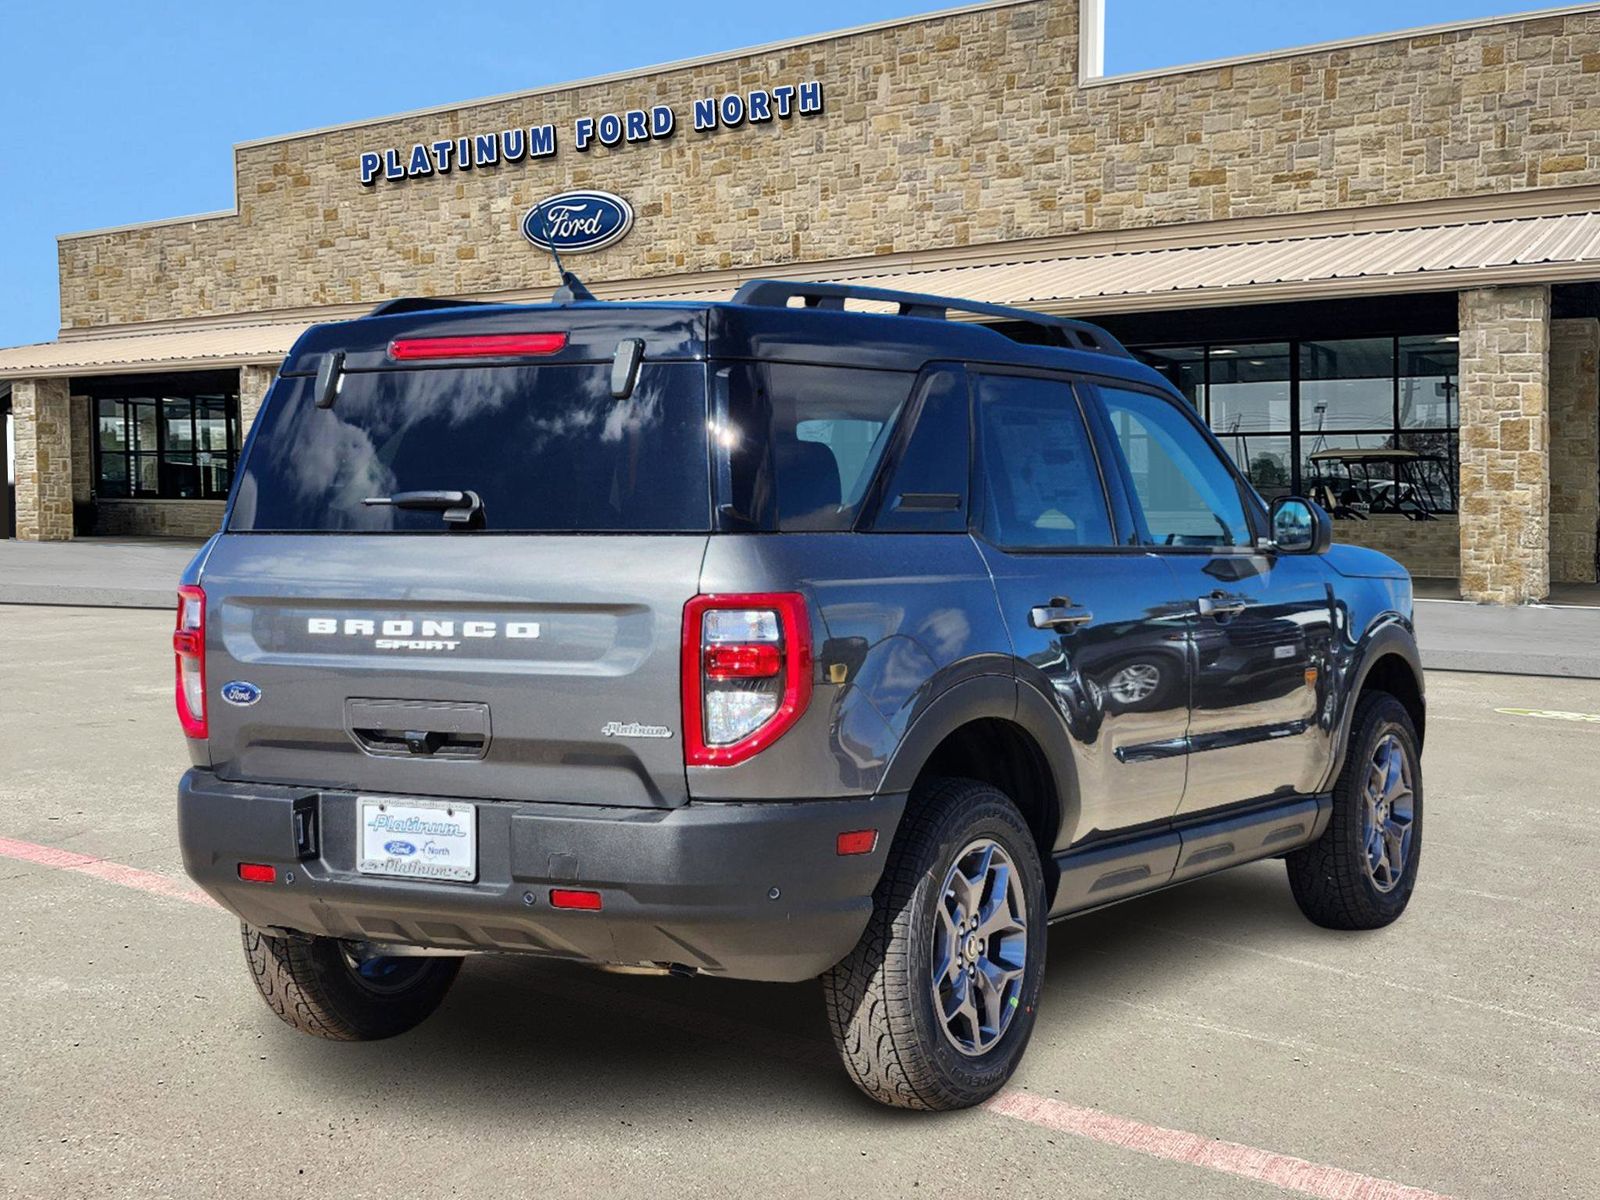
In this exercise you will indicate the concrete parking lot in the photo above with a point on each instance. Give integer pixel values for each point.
(1203, 1042)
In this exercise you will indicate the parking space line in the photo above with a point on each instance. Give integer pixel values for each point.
(1124, 1133)
(100, 868)
(1231, 1158)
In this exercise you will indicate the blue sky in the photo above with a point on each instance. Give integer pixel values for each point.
(115, 112)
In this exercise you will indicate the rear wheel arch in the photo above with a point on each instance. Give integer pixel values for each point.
(987, 730)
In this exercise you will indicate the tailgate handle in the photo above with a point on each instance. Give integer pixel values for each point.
(418, 728)
(425, 742)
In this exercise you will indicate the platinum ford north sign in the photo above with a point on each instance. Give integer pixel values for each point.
(492, 147)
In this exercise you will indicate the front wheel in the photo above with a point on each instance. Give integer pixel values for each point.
(934, 1007)
(1360, 873)
(320, 986)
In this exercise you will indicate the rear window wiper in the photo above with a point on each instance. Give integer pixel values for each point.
(457, 508)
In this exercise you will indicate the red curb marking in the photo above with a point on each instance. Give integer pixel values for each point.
(85, 864)
(1231, 1158)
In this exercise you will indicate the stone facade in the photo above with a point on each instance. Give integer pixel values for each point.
(956, 130)
(253, 385)
(1505, 444)
(1425, 548)
(41, 431)
(1574, 449)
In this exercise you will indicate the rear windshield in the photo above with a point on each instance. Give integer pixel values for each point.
(546, 448)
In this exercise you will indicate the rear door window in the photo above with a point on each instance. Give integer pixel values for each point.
(546, 448)
(1041, 483)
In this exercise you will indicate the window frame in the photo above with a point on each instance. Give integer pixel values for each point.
(1300, 436)
(1255, 509)
(155, 392)
(1117, 517)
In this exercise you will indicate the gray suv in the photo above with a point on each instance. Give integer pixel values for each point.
(827, 632)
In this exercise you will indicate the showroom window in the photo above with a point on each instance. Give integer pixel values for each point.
(1288, 412)
(165, 439)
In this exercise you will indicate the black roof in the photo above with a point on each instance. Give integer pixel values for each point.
(762, 321)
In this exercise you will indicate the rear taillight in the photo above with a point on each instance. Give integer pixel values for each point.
(189, 648)
(478, 345)
(746, 674)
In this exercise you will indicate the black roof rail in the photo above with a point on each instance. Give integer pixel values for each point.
(407, 304)
(1075, 335)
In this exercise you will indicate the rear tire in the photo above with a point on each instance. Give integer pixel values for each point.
(1360, 873)
(887, 1000)
(313, 985)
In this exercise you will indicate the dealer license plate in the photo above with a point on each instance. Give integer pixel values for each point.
(416, 840)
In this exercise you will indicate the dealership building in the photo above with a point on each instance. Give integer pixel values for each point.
(1373, 265)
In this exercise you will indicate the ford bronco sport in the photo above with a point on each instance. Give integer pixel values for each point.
(769, 639)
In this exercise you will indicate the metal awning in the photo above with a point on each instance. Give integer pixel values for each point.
(1546, 249)
(1440, 257)
(263, 343)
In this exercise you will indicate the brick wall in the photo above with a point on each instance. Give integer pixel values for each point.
(1505, 440)
(41, 433)
(1574, 449)
(158, 518)
(951, 131)
(1426, 548)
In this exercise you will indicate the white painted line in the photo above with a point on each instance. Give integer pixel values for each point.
(1550, 714)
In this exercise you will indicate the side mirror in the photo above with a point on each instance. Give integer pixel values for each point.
(1300, 527)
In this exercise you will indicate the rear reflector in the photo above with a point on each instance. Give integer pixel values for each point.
(860, 841)
(750, 660)
(575, 898)
(484, 345)
(258, 872)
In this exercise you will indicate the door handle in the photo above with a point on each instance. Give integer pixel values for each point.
(1060, 613)
(1221, 605)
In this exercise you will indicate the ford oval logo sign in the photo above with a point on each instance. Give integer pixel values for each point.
(241, 693)
(399, 849)
(578, 222)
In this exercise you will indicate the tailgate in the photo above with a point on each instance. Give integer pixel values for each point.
(514, 667)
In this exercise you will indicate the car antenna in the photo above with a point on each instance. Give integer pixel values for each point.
(571, 290)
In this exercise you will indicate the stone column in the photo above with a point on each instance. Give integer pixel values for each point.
(41, 424)
(1574, 449)
(1505, 444)
(253, 385)
(83, 473)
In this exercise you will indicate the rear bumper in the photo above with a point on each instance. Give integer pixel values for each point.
(691, 886)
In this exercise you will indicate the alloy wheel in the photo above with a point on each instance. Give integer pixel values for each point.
(980, 947)
(1388, 814)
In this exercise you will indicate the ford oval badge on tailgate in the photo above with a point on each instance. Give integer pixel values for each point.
(241, 693)
(578, 222)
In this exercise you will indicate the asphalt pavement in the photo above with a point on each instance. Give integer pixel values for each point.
(1206, 1041)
